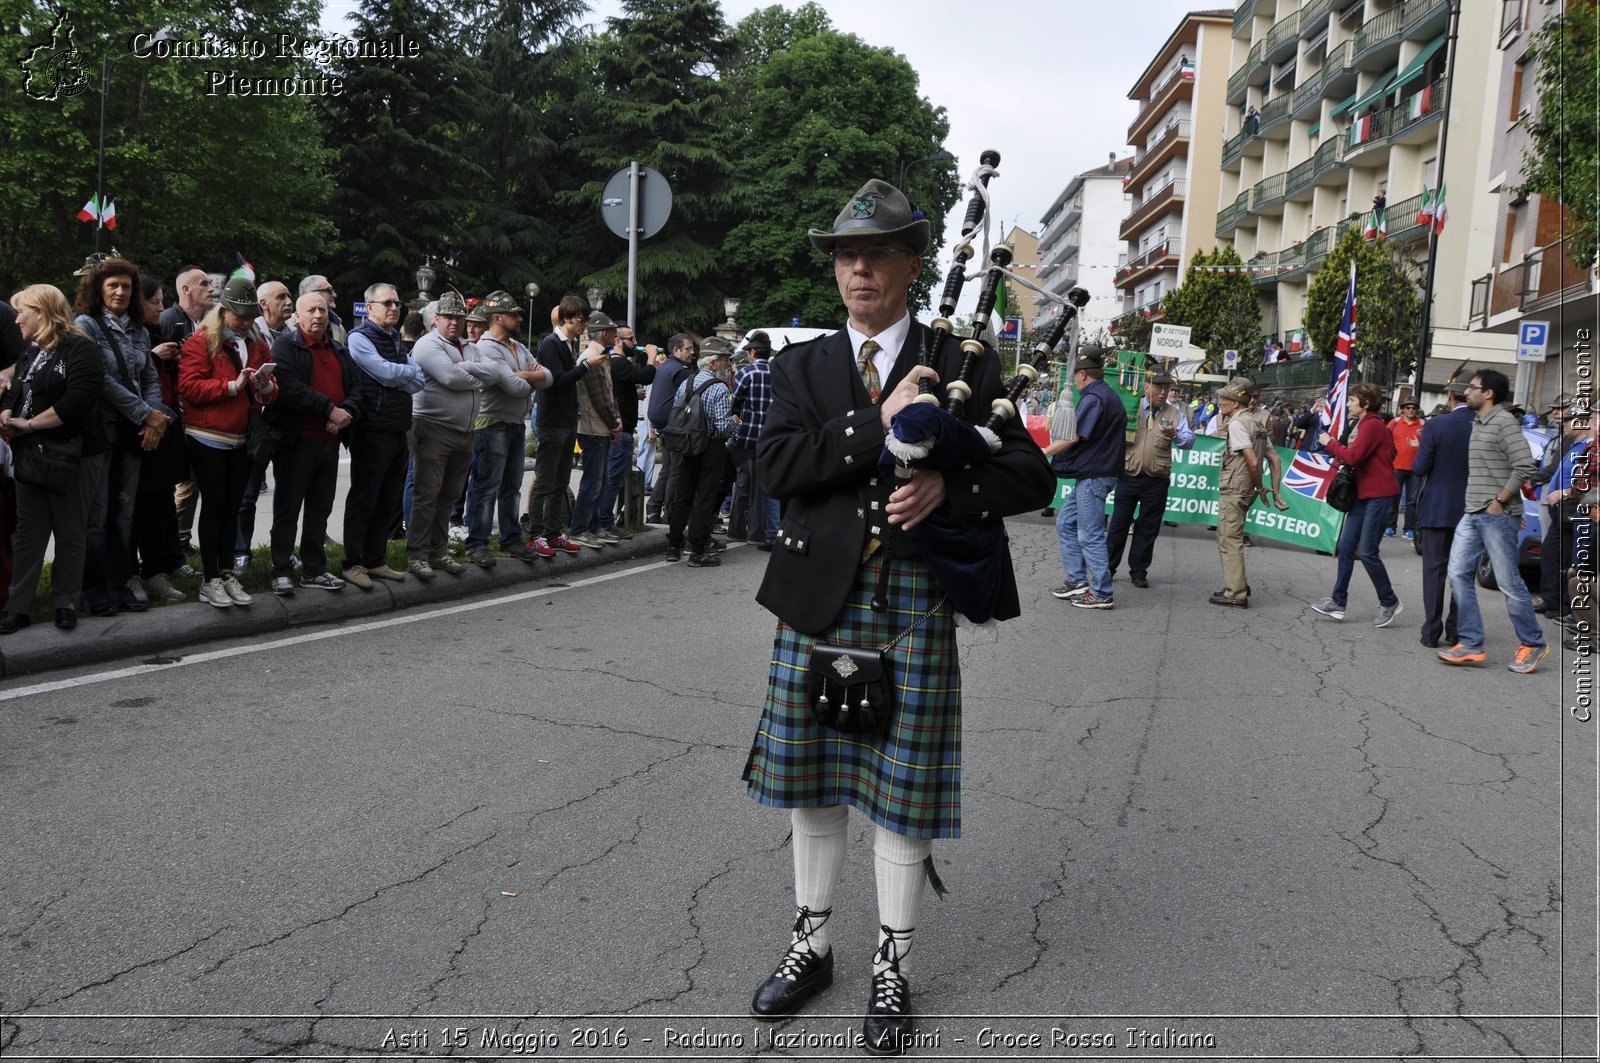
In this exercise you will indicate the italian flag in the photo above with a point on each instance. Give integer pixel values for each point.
(1186, 70)
(1421, 103)
(1360, 130)
(1377, 225)
(1433, 212)
(93, 211)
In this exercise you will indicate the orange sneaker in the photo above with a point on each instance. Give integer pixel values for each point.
(1460, 654)
(1528, 658)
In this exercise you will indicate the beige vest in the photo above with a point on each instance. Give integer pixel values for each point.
(1149, 453)
(1235, 478)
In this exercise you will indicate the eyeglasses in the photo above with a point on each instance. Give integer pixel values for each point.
(387, 302)
(1475, 387)
(874, 256)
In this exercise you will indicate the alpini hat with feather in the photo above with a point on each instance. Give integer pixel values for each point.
(878, 209)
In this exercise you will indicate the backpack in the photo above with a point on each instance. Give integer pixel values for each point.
(686, 431)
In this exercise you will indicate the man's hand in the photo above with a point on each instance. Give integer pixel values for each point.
(918, 497)
(339, 419)
(905, 392)
(150, 436)
(157, 420)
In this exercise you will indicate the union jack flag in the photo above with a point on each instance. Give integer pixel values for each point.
(1339, 376)
(1310, 474)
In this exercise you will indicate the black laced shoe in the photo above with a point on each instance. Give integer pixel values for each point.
(801, 974)
(887, 1029)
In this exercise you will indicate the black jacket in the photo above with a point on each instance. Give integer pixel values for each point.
(669, 374)
(626, 377)
(388, 409)
(820, 447)
(74, 393)
(558, 403)
(296, 397)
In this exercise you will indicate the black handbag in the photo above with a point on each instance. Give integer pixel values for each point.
(259, 441)
(1342, 491)
(48, 464)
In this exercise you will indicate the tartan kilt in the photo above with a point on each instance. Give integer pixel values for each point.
(908, 780)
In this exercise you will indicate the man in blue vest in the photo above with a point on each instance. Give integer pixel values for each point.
(1095, 459)
(378, 454)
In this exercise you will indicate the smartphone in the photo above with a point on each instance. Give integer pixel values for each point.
(265, 370)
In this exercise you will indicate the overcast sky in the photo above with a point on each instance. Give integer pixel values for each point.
(1044, 82)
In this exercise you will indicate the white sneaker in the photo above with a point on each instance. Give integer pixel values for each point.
(212, 592)
(161, 586)
(236, 592)
(136, 588)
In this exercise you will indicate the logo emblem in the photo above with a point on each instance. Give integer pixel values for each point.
(865, 205)
(55, 71)
(845, 667)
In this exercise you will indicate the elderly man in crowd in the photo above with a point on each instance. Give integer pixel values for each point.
(631, 371)
(698, 488)
(378, 452)
(1238, 487)
(1145, 479)
(323, 287)
(753, 515)
(442, 415)
(319, 396)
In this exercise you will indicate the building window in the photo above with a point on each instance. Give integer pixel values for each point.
(1510, 19)
(1518, 109)
(1511, 235)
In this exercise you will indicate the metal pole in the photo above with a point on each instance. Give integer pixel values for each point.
(1438, 183)
(100, 176)
(633, 246)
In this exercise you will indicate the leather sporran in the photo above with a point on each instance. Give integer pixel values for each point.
(849, 689)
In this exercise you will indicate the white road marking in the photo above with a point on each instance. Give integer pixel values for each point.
(317, 636)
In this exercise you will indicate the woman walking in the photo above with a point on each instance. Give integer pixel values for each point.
(1371, 452)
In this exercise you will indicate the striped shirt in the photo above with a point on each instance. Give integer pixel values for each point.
(1499, 461)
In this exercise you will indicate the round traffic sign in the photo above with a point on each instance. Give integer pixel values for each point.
(655, 202)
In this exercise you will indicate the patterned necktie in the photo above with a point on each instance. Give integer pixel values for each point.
(869, 372)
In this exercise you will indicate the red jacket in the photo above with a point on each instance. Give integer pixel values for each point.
(1371, 451)
(1407, 439)
(203, 386)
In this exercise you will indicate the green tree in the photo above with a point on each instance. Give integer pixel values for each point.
(1388, 306)
(195, 176)
(1564, 163)
(807, 143)
(407, 174)
(647, 90)
(1218, 302)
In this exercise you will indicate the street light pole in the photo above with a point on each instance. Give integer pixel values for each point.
(106, 63)
(905, 166)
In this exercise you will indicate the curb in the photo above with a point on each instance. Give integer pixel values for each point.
(164, 634)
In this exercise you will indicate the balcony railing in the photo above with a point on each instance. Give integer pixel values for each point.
(1242, 204)
(1306, 94)
(1153, 205)
(1242, 15)
(1228, 219)
(1268, 190)
(1275, 109)
(1392, 121)
(1178, 128)
(1338, 58)
(1157, 101)
(1237, 82)
(1545, 277)
(1284, 30)
(1306, 173)
(1312, 12)
(1165, 249)
(1382, 28)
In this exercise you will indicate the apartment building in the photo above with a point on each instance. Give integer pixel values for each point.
(1177, 139)
(1079, 244)
(1527, 275)
(1332, 103)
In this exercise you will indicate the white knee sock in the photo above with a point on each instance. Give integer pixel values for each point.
(820, 842)
(900, 878)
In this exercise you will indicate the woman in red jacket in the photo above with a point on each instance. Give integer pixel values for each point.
(220, 375)
(1371, 451)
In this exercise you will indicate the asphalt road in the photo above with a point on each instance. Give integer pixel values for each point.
(516, 828)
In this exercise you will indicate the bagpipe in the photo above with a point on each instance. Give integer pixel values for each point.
(966, 557)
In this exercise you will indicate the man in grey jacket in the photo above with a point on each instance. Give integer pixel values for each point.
(441, 437)
(1499, 462)
(500, 429)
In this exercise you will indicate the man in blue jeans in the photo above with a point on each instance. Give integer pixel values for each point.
(1499, 462)
(498, 431)
(1095, 459)
(632, 370)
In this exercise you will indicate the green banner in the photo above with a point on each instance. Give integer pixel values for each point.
(1192, 499)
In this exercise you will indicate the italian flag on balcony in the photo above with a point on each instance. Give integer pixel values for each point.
(1420, 104)
(1360, 130)
(1187, 69)
(1433, 212)
(1377, 225)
